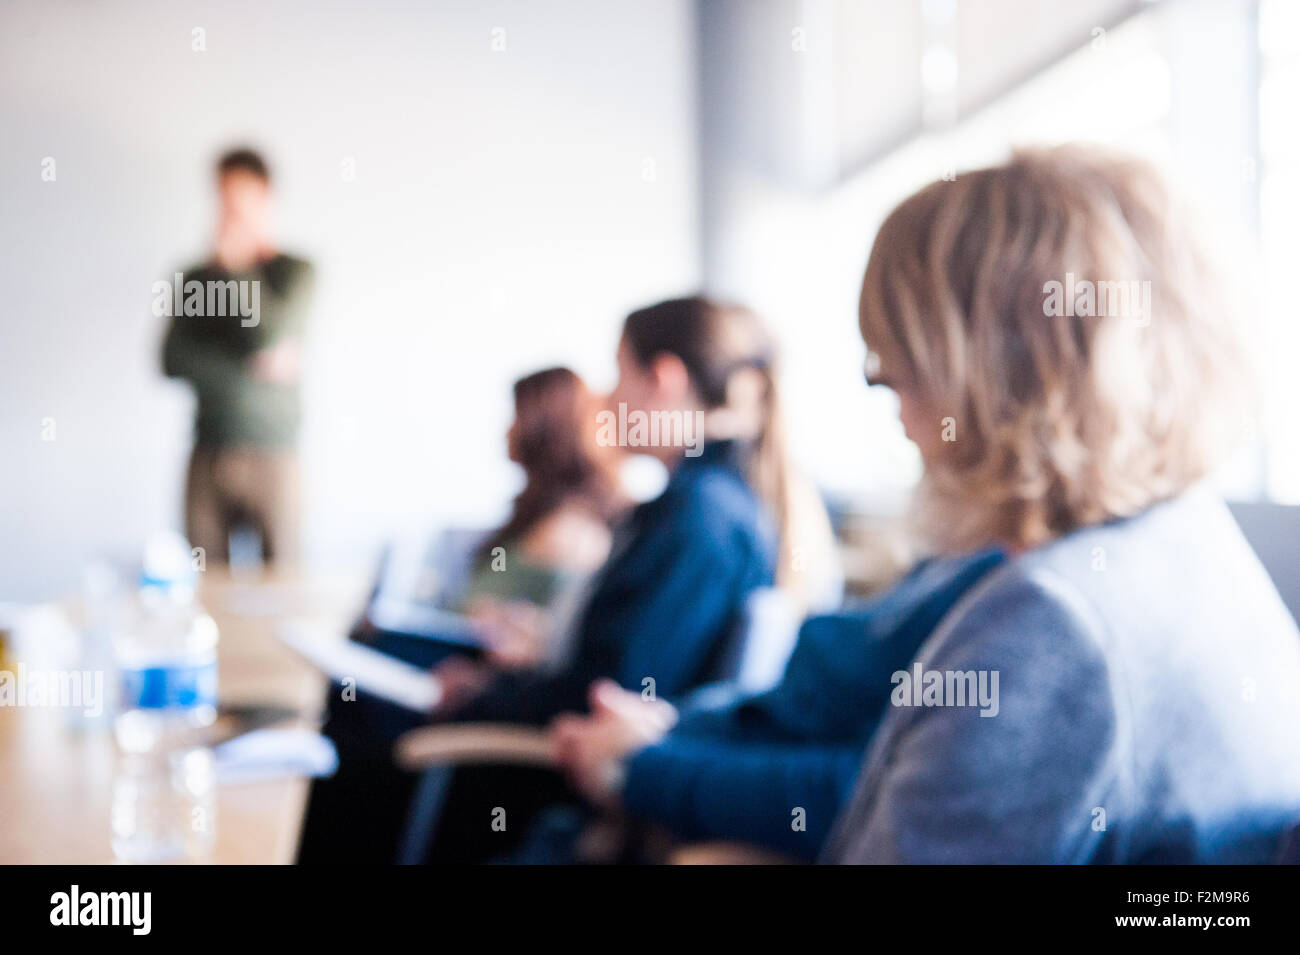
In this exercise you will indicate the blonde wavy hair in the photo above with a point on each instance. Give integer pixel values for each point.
(1059, 421)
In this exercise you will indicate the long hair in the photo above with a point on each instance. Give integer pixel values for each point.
(560, 465)
(998, 301)
(715, 341)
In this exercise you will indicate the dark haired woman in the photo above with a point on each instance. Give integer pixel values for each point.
(558, 532)
(525, 578)
(697, 385)
(697, 391)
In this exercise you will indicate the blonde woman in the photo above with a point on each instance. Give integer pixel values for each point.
(1143, 675)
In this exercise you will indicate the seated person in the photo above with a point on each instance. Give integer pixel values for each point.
(1148, 670)
(665, 607)
(558, 532)
(524, 577)
(529, 569)
(666, 610)
(1144, 669)
(771, 769)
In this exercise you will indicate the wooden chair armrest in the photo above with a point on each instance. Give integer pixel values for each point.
(473, 743)
(725, 853)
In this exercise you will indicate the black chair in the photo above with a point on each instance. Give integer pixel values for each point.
(754, 661)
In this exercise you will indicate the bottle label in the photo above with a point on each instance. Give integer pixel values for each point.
(170, 686)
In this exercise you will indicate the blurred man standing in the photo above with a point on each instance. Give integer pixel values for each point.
(244, 364)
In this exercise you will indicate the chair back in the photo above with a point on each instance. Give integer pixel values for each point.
(764, 639)
(1273, 532)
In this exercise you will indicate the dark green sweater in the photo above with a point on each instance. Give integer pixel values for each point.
(214, 353)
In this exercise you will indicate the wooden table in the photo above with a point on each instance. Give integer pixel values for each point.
(56, 780)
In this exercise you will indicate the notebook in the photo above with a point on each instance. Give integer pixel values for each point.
(368, 670)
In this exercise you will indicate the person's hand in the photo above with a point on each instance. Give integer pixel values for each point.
(278, 364)
(592, 749)
(460, 680)
(364, 631)
(515, 632)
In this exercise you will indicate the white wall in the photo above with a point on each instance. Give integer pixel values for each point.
(508, 208)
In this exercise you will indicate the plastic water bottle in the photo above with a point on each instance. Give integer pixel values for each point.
(163, 796)
(164, 807)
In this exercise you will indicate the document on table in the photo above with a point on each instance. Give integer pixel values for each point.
(264, 754)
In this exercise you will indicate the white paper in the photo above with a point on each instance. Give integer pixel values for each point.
(373, 672)
(274, 754)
